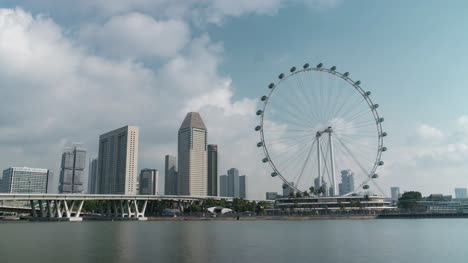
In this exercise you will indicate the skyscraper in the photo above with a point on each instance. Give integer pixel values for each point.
(212, 170)
(72, 170)
(149, 182)
(460, 193)
(347, 182)
(223, 185)
(192, 150)
(395, 193)
(25, 180)
(243, 186)
(118, 161)
(92, 176)
(170, 175)
(233, 183)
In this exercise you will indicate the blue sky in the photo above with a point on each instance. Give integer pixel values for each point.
(217, 57)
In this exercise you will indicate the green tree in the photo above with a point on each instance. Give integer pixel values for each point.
(409, 200)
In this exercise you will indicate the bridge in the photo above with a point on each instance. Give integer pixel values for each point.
(68, 207)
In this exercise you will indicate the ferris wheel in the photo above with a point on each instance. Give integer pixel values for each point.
(321, 132)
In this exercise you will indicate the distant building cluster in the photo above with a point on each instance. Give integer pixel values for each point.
(194, 171)
(233, 185)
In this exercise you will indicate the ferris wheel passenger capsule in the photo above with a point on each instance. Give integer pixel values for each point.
(257, 128)
(375, 106)
(375, 176)
(346, 74)
(265, 160)
(381, 120)
(383, 149)
(271, 85)
(281, 76)
(274, 174)
(259, 112)
(384, 134)
(292, 69)
(333, 68)
(264, 98)
(306, 65)
(365, 187)
(319, 65)
(368, 93)
(358, 82)
(259, 144)
(381, 163)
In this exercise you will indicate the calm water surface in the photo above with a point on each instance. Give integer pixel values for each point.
(422, 240)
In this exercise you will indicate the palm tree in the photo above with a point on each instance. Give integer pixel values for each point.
(298, 195)
(305, 194)
(291, 195)
(312, 190)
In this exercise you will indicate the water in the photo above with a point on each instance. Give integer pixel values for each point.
(383, 241)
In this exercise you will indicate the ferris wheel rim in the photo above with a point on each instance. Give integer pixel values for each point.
(358, 88)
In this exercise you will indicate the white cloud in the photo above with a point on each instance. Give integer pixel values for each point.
(54, 92)
(428, 134)
(137, 35)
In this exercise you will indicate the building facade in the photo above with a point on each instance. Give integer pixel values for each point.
(72, 170)
(170, 175)
(118, 161)
(271, 195)
(192, 153)
(233, 183)
(243, 186)
(92, 176)
(23, 180)
(394, 194)
(223, 186)
(461, 193)
(347, 182)
(212, 170)
(149, 182)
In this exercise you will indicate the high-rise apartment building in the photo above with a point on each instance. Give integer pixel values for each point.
(72, 170)
(212, 170)
(395, 193)
(25, 180)
(149, 182)
(347, 182)
(192, 153)
(223, 186)
(233, 183)
(460, 193)
(243, 186)
(118, 161)
(170, 175)
(92, 176)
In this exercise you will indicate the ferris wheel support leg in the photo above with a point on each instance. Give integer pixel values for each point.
(332, 163)
(319, 161)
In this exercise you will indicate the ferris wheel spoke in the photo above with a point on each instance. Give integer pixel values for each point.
(306, 162)
(303, 97)
(362, 153)
(357, 115)
(353, 157)
(309, 94)
(292, 99)
(358, 100)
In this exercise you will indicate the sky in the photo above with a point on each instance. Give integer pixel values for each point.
(72, 70)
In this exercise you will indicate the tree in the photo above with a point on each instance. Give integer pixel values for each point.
(291, 195)
(305, 194)
(298, 194)
(409, 200)
(312, 190)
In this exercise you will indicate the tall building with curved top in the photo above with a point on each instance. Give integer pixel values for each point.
(192, 153)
